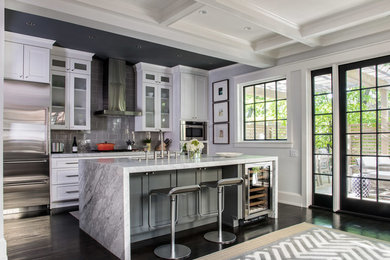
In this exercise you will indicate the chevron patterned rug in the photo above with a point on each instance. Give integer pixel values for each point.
(307, 241)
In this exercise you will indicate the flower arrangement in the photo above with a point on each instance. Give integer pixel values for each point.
(194, 147)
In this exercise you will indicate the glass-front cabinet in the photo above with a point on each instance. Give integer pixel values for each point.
(154, 98)
(71, 87)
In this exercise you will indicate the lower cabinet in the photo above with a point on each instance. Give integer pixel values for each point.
(153, 214)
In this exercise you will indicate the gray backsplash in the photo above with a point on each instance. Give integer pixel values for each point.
(105, 129)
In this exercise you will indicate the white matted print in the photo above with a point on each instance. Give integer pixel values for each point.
(221, 90)
(221, 133)
(221, 112)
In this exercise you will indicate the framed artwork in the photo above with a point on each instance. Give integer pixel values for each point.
(221, 133)
(221, 90)
(221, 112)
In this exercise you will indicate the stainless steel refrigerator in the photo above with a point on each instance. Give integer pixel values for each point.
(26, 154)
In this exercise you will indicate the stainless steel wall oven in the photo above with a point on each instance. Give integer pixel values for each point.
(190, 130)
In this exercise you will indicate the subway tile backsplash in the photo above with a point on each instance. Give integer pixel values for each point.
(105, 129)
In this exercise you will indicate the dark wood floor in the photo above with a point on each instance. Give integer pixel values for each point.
(58, 236)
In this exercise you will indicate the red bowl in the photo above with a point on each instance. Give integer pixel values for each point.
(105, 146)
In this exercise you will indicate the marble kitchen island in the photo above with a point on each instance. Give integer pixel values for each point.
(115, 208)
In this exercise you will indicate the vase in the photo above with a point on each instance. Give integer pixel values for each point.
(195, 154)
(148, 147)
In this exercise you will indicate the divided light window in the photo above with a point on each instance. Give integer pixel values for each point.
(265, 111)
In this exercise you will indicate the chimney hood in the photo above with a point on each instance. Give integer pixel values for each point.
(114, 90)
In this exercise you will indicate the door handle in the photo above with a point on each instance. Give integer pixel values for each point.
(33, 161)
(25, 183)
(72, 191)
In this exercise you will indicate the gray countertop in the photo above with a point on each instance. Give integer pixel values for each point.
(132, 165)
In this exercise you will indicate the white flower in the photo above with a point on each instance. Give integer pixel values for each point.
(194, 146)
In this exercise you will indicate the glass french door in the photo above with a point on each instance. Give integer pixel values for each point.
(322, 134)
(365, 136)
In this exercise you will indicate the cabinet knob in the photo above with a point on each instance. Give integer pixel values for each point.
(26, 77)
(146, 173)
(21, 76)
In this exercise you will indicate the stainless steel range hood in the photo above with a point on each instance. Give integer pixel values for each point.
(114, 91)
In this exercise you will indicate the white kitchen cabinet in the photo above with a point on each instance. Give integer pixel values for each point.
(154, 98)
(192, 84)
(27, 58)
(71, 90)
(64, 179)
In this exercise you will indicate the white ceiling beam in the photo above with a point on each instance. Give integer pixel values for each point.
(370, 28)
(271, 43)
(349, 18)
(250, 11)
(70, 11)
(118, 6)
(178, 11)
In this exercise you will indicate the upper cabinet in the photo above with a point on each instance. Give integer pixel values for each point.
(192, 84)
(27, 58)
(154, 98)
(71, 89)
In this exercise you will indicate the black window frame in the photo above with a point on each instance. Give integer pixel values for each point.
(244, 122)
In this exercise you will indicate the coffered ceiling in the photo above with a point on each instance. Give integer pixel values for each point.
(253, 32)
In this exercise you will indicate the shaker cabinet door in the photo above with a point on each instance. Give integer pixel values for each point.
(187, 97)
(201, 94)
(13, 63)
(79, 101)
(36, 64)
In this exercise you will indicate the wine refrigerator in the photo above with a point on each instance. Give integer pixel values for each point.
(258, 189)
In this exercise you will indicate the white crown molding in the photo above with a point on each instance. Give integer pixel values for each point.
(190, 70)
(64, 52)
(29, 40)
(152, 67)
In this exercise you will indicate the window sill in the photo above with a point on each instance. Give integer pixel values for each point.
(263, 144)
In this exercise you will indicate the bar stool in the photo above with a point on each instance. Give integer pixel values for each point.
(172, 250)
(219, 236)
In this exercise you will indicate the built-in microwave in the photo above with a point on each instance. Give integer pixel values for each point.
(190, 130)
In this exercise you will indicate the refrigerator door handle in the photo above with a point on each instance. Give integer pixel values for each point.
(32, 161)
(26, 183)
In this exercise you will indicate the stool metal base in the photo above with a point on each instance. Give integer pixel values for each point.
(227, 237)
(164, 251)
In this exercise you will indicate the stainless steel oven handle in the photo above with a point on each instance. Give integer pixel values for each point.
(16, 162)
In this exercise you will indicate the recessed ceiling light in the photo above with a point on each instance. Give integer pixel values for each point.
(247, 28)
(91, 37)
(138, 46)
(179, 55)
(202, 12)
(30, 23)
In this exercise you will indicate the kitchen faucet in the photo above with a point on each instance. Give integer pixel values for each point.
(162, 143)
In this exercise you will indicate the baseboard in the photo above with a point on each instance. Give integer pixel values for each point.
(290, 198)
(3, 249)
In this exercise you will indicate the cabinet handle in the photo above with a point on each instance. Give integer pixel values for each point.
(146, 173)
(72, 191)
(75, 175)
(26, 77)
(72, 163)
(21, 76)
